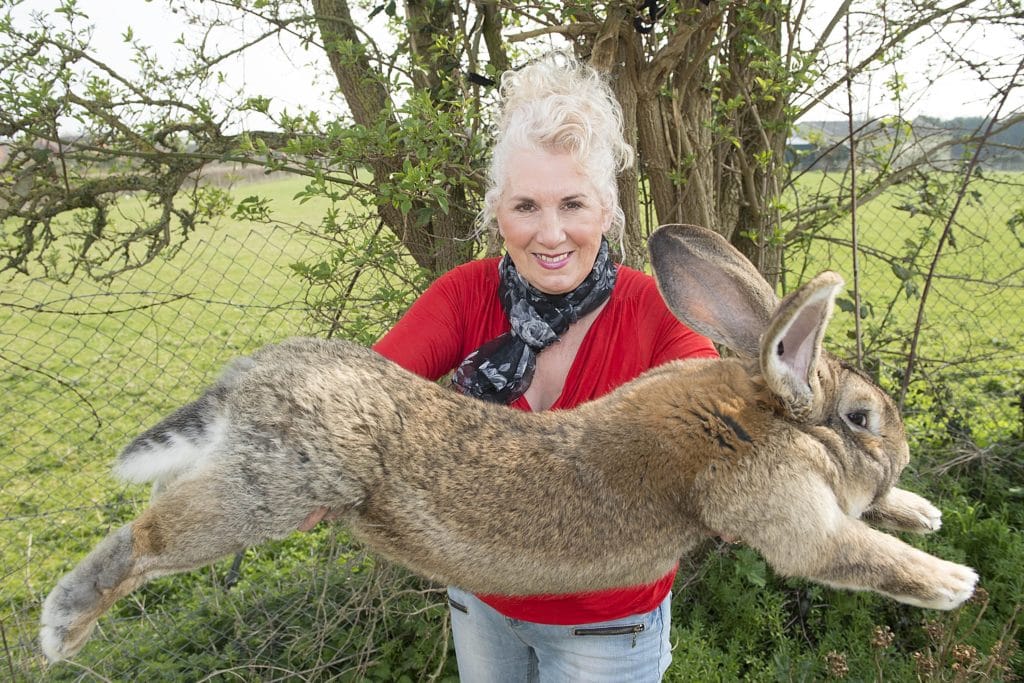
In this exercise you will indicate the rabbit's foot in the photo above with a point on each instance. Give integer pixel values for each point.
(71, 609)
(949, 587)
(905, 511)
(927, 516)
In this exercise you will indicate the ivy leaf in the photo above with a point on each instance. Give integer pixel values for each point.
(845, 305)
(751, 568)
(902, 273)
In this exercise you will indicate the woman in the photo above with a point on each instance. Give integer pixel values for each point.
(552, 324)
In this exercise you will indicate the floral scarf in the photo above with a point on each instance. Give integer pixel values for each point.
(500, 371)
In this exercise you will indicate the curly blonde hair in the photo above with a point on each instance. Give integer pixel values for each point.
(558, 103)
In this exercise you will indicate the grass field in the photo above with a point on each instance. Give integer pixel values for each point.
(86, 367)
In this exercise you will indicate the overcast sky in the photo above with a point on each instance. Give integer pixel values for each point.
(292, 76)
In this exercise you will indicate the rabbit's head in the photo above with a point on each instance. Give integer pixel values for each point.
(714, 289)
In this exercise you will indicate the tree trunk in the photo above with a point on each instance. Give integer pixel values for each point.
(759, 128)
(674, 124)
(443, 242)
(612, 47)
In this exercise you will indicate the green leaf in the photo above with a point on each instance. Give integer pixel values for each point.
(902, 273)
(751, 568)
(845, 305)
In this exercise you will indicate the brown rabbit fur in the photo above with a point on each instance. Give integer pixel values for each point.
(785, 449)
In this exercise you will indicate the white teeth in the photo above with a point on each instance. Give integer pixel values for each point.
(552, 259)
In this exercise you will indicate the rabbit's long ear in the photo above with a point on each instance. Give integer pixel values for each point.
(709, 285)
(791, 346)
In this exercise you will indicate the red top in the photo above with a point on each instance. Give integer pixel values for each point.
(633, 333)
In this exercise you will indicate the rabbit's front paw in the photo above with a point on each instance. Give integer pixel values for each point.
(954, 584)
(905, 511)
(929, 516)
(922, 516)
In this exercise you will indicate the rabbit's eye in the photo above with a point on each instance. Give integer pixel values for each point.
(860, 419)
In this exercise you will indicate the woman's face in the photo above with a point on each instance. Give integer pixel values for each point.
(551, 219)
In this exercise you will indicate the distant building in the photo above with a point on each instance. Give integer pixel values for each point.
(800, 152)
(817, 148)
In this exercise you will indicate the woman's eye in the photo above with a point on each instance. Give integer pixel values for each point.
(572, 206)
(858, 418)
(523, 207)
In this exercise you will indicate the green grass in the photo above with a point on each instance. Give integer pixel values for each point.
(86, 367)
(970, 347)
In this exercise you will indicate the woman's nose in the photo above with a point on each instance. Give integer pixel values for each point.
(550, 233)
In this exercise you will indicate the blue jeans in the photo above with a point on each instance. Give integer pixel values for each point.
(491, 647)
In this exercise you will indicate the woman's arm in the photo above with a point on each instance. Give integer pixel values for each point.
(433, 336)
(426, 338)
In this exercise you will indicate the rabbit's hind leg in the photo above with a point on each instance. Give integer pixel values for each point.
(193, 524)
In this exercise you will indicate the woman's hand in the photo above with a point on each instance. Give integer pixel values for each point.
(315, 517)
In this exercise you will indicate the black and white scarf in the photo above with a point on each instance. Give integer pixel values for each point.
(500, 371)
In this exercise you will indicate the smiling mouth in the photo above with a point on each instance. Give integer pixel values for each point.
(553, 260)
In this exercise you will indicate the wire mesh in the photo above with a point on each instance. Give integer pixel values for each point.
(85, 366)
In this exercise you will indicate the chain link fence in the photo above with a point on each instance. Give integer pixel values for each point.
(85, 367)
(938, 283)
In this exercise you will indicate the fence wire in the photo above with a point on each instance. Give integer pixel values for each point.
(86, 367)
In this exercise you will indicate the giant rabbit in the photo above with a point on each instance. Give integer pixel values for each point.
(785, 448)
